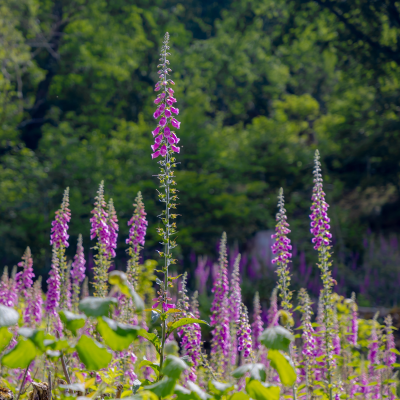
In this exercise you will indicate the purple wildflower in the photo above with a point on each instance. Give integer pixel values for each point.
(244, 332)
(257, 325)
(219, 319)
(113, 229)
(373, 349)
(234, 302)
(24, 278)
(273, 309)
(8, 289)
(59, 236)
(390, 356)
(34, 304)
(100, 229)
(78, 270)
(164, 111)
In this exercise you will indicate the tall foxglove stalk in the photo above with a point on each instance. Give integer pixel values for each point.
(235, 302)
(59, 240)
(101, 230)
(136, 239)
(320, 229)
(257, 325)
(244, 333)
(78, 272)
(25, 277)
(52, 303)
(34, 311)
(354, 321)
(165, 146)
(309, 342)
(113, 228)
(8, 288)
(282, 251)
(219, 319)
(273, 309)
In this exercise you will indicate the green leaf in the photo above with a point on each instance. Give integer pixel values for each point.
(276, 338)
(259, 391)
(239, 396)
(92, 353)
(154, 366)
(186, 321)
(220, 388)
(55, 345)
(20, 356)
(5, 338)
(116, 335)
(72, 321)
(36, 336)
(174, 366)
(151, 337)
(257, 371)
(282, 365)
(395, 351)
(162, 388)
(194, 389)
(8, 316)
(173, 311)
(96, 306)
(120, 279)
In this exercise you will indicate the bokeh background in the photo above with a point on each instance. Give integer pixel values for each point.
(260, 85)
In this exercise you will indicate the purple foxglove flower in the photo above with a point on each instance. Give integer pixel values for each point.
(219, 319)
(113, 229)
(273, 309)
(171, 92)
(156, 154)
(244, 333)
(235, 297)
(175, 148)
(155, 146)
(25, 278)
(390, 357)
(53, 286)
(167, 113)
(373, 349)
(156, 131)
(59, 235)
(158, 139)
(78, 271)
(8, 289)
(257, 325)
(163, 121)
(171, 140)
(175, 110)
(175, 138)
(163, 150)
(175, 123)
(167, 132)
(157, 113)
(34, 305)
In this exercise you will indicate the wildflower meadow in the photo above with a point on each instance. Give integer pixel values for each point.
(139, 334)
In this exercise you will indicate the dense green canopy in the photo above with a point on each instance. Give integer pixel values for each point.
(260, 85)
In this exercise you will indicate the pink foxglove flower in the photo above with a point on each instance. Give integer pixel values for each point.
(78, 270)
(59, 231)
(25, 277)
(164, 111)
(257, 325)
(113, 229)
(244, 333)
(219, 319)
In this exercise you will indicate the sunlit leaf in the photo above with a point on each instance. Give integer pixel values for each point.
(262, 391)
(96, 306)
(92, 353)
(151, 337)
(282, 365)
(276, 338)
(116, 335)
(174, 366)
(120, 279)
(35, 335)
(5, 338)
(186, 321)
(163, 388)
(20, 356)
(72, 321)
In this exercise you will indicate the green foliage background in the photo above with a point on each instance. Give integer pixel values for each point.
(260, 85)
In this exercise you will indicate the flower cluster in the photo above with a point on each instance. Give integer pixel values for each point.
(164, 138)
(99, 225)
(34, 305)
(219, 319)
(59, 227)
(319, 216)
(8, 289)
(78, 270)
(113, 229)
(244, 332)
(257, 325)
(25, 277)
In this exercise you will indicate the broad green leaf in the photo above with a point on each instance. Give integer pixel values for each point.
(116, 335)
(239, 396)
(174, 366)
(20, 356)
(281, 364)
(197, 390)
(96, 306)
(220, 388)
(276, 338)
(72, 321)
(257, 371)
(186, 321)
(173, 311)
(8, 316)
(92, 353)
(163, 388)
(151, 337)
(61, 344)
(36, 336)
(395, 351)
(120, 279)
(259, 391)
(5, 338)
